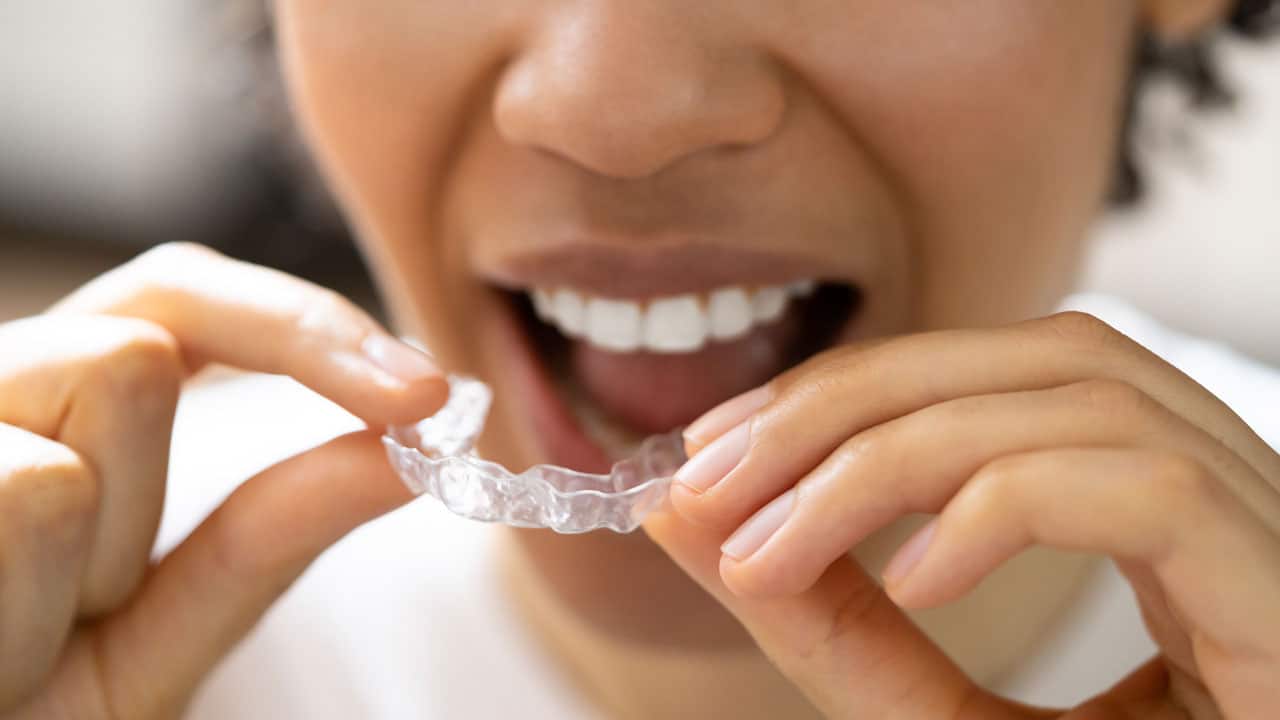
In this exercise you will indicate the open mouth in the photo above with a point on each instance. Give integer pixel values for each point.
(611, 371)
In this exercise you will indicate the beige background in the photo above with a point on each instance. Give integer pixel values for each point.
(1204, 254)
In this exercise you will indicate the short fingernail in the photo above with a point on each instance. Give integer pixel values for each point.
(755, 532)
(727, 414)
(713, 462)
(908, 556)
(404, 362)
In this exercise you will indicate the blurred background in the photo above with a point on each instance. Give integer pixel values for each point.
(123, 128)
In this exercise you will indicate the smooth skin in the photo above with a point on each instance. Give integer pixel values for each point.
(453, 132)
(1058, 432)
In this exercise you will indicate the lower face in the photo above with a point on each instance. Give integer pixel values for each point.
(620, 214)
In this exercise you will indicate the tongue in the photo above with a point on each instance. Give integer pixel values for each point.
(653, 393)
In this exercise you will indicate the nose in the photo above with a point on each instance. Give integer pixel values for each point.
(626, 88)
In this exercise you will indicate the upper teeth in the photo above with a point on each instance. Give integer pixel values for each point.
(674, 324)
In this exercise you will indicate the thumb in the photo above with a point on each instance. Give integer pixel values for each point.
(842, 641)
(211, 590)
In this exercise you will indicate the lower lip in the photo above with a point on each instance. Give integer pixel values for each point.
(560, 439)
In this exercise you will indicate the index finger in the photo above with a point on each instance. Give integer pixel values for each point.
(227, 311)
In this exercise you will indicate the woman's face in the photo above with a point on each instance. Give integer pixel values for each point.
(936, 163)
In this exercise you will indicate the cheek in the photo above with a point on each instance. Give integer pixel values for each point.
(381, 91)
(997, 126)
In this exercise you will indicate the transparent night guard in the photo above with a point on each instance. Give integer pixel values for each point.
(436, 456)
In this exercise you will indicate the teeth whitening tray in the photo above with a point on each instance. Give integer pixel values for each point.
(436, 456)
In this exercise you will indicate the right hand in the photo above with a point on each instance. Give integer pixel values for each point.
(89, 628)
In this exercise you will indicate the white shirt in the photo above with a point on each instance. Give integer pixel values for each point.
(405, 617)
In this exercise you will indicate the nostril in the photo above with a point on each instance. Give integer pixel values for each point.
(630, 115)
(601, 133)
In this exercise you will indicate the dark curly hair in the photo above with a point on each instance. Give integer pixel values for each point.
(1193, 65)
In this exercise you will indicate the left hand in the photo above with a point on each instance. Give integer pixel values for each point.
(1059, 431)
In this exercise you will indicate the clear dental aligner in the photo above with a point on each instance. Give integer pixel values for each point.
(437, 456)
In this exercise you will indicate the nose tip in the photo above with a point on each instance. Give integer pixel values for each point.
(627, 99)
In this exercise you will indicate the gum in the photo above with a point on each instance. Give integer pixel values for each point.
(436, 456)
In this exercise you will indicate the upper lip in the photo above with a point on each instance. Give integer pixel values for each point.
(641, 270)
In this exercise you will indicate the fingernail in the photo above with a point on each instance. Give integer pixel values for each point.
(713, 462)
(402, 361)
(908, 556)
(755, 532)
(727, 414)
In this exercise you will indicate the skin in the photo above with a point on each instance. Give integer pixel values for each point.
(460, 135)
(1083, 441)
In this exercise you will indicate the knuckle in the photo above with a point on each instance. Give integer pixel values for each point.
(76, 493)
(322, 316)
(146, 345)
(834, 376)
(799, 386)
(1186, 482)
(1081, 330)
(71, 505)
(868, 449)
(995, 487)
(1115, 397)
(232, 558)
(150, 285)
(143, 364)
(1186, 497)
(770, 427)
(156, 279)
(825, 372)
(170, 256)
(53, 499)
